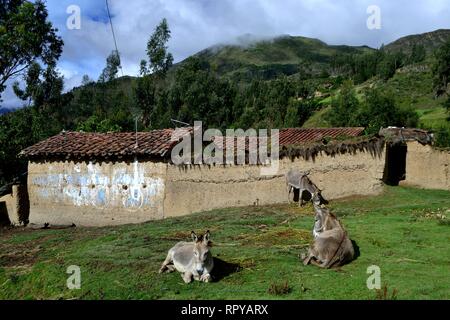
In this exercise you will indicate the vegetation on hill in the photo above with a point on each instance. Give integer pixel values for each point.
(273, 83)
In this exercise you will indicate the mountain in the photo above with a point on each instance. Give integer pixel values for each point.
(271, 58)
(430, 40)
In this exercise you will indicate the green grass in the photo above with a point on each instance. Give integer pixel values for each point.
(434, 118)
(259, 246)
(317, 120)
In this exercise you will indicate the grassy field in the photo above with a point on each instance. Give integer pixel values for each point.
(256, 251)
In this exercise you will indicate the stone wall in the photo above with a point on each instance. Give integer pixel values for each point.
(95, 194)
(427, 167)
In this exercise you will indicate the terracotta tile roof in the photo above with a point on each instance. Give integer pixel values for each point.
(293, 136)
(156, 143)
(106, 145)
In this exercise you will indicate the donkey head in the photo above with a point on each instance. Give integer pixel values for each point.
(327, 219)
(317, 198)
(201, 250)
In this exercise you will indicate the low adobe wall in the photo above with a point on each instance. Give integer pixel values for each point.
(427, 167)
(14, 207)
(110, 193)
(95, 194)
(199, 188)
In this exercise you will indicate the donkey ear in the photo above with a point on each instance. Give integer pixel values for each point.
(194, 236)
(206, 236)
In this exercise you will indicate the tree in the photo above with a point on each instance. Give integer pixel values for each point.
(441, 69)
(149, 85)
(143, 70)
(418, 53)
(26, 36)
(380, 110)
(109, 73)
(145, 98)
(86, 80)
(160, 60)
(344, 107)
(43, 87)
(94, 124)
(389, 64)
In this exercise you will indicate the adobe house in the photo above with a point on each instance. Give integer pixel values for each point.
(97, 179)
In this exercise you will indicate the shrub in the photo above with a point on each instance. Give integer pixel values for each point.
(442, 137)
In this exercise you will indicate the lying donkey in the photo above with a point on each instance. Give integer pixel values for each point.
(300, 180)
(332, 247)
(192, 259)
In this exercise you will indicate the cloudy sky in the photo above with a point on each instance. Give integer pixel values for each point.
(197, 24)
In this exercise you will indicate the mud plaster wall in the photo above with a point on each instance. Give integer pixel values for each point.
(95, 194)
(427, 167)
(15, 206)
(199, 188)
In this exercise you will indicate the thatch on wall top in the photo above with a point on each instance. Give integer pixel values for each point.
(372, 144)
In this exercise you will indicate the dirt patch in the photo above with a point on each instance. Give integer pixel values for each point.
(294, 209)
(19, 258)
(21, 254)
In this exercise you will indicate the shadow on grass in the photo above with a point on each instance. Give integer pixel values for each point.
(356, 248)
(223, 269)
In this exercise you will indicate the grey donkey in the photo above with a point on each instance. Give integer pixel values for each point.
(332, 247)
(192, 259)
(301, 181)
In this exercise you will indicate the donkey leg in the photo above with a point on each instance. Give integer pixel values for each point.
(300, 197)
(206, 277)
(166, 262)
(316, 263)
(289, 193)
(309, 257)
(170, 268)
(187, 277)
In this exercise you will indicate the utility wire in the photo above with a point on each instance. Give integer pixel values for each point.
(114, 35)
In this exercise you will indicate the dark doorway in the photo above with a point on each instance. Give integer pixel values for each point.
(395, 166)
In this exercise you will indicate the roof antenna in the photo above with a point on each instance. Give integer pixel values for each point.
(176, 121)
(135, 128)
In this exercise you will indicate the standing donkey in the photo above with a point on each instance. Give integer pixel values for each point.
(300, 180)
(192, 259)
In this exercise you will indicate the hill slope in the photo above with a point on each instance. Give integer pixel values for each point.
(430, 40)
(268, 59)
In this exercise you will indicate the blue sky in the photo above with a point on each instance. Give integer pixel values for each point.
(197, 24)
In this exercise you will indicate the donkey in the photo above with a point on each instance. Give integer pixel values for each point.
(300, 180)
(192, 259)
(332, 247)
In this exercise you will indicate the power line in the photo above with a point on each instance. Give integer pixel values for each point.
(114, 36)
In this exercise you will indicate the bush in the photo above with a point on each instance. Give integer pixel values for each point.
(442, 137)
(381, 110)
(344, 107)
